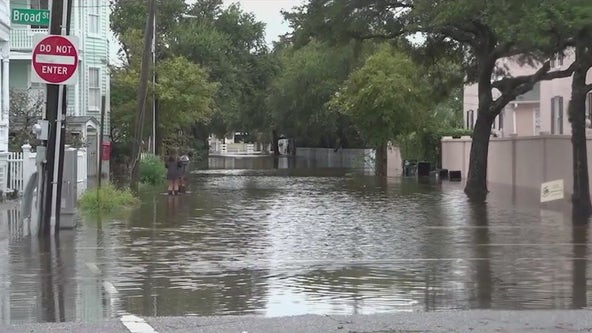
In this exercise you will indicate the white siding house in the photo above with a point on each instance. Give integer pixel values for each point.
(4, 72)
(90, 22)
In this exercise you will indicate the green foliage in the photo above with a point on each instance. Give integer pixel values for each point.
(124, 87)
(213, 69)
(106, 200)
(385, 98)
(231, 44)
(184, 93)
(127, 15)
(152, 170)
(308, 79)
(26, 107)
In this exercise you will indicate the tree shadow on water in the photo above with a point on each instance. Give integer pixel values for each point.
(579, 262)
(479, 221)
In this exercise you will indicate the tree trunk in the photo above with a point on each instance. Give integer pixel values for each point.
(274, 143)
(381, 162)
(580, 199)
(476, 187)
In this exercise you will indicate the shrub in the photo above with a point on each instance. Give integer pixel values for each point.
(152, 170)
(107, 200)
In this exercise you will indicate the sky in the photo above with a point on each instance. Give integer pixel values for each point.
(267, 11)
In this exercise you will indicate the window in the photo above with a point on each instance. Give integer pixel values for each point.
(557, 115)
(557, 60)
(94, 89)
(93, 16)
(470, 119)
(39, 4)
(589, 106)
(501, 120)
(537, 121)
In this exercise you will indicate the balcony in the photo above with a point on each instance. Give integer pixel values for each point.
(4, 19)
(22, 38)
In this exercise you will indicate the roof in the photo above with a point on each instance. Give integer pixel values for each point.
(80, 120)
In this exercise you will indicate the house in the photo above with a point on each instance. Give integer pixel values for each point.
(90, 22)
(4, 72)
(543, 110)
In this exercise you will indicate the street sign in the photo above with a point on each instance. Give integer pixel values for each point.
(29, 16)
(55, 59)
(551, 191)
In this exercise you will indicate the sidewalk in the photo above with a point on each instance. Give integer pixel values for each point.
(461, 321)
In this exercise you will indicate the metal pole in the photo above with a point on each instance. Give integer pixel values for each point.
(61, 129)
(100, 176)
(51, 114)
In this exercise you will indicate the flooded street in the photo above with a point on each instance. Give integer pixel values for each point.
(251, 239)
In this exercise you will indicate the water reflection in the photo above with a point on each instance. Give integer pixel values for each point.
(580, 259)
(480, 222)
(47, 280)
(292, 241)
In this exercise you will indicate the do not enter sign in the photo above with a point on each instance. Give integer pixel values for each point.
(55, 59)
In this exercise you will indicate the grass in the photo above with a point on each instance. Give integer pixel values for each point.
(106, 200)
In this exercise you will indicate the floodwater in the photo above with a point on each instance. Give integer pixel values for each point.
(253, 238)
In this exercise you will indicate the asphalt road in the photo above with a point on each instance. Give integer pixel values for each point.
(462, 321)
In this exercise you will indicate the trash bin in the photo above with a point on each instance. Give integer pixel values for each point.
(409, 168)
(423, 169)
(455, 176)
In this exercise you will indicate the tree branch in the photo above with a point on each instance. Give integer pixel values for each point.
(543, 74)
(514, 87)
(358, 36)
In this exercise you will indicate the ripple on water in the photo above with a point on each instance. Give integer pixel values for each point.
(273, 243)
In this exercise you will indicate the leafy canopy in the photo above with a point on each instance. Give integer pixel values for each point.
(385, 98)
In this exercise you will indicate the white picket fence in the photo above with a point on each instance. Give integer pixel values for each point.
(16, 169)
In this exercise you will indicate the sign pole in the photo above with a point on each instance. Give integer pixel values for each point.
(61, 127)
(51, 115)
(54, 62)
(56, 203)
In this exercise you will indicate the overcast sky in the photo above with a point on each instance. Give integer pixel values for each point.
(267, 11)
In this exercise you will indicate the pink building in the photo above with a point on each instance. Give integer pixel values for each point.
(541, 110)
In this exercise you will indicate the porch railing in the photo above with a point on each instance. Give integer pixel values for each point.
(22, 38)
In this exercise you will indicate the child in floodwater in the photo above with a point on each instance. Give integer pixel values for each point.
(172, 175)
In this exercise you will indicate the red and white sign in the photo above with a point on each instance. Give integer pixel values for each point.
(55, 59)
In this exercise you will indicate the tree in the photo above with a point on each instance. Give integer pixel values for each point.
(129, 15)
(385, 98)
(26, 108)
(497, 30)
(483, 32)
(231, 44)
(577, 26)
(124, 87)
(297, 98)
(185, 95)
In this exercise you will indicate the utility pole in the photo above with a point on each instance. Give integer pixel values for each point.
(142, 94)
(154, 83)
(51, 177)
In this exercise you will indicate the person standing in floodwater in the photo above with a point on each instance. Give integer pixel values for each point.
(172, 175)
(183, 165)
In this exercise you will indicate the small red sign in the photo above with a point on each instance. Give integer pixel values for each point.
(105, 151)
(55, 59)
